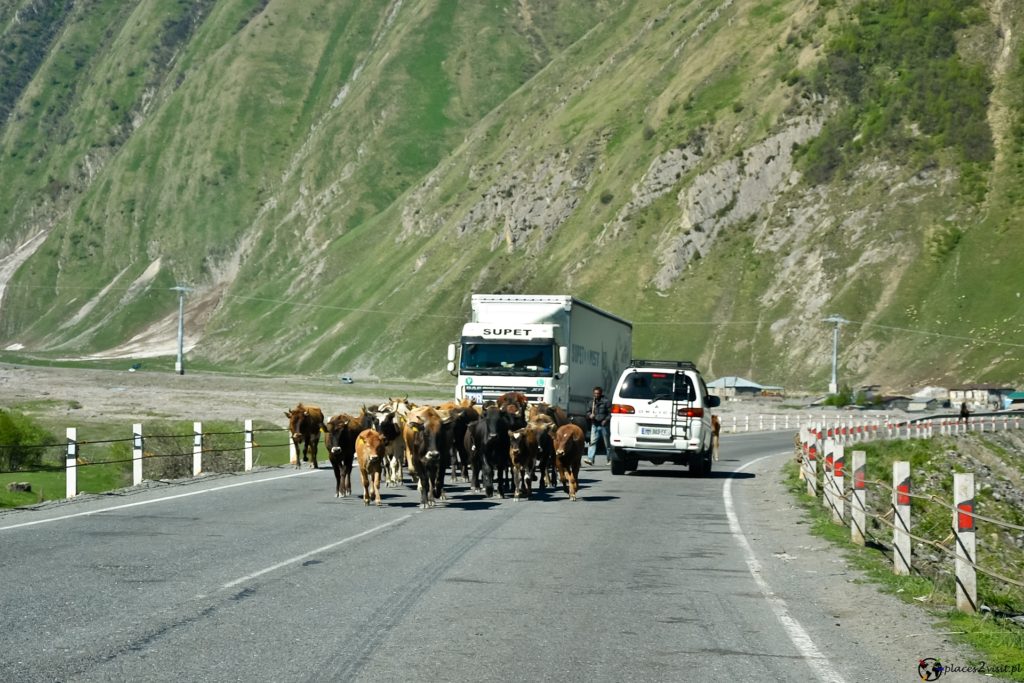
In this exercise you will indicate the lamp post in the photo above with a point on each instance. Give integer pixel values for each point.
(833, 386)
(179, 364)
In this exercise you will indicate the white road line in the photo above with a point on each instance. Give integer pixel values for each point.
(154, 500)
(808, 650)
(299, 558)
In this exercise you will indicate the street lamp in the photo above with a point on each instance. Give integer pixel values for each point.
(833, 386)
(179, 365)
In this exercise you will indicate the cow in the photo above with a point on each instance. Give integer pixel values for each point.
(390, 425)
(423, 443)
(522, 456)
(557, 414)
(342, 430)
(716, 430)
(304, 425)
(540, 431)
(370, 455)
(490, 450)
(569, 443)
(462, 416)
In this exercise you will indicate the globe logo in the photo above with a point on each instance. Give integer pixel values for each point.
(930, 669)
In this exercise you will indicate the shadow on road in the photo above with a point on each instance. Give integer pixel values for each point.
(684, 474)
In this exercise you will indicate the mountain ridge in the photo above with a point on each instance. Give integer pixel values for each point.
(335, 180)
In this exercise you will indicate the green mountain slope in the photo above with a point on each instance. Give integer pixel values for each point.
(335, 179)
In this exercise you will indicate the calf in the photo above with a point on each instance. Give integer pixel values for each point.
(370, 455)
(304, 425)
(522, 456)
(569, 443)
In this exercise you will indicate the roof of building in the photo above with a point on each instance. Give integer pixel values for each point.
(733, 381)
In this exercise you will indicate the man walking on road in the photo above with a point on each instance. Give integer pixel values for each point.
(599, 415)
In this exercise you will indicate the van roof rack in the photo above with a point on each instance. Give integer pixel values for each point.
(646, 363)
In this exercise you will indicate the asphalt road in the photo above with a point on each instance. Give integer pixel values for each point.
(652, 576)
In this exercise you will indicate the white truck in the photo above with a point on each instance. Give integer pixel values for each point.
(552, 348)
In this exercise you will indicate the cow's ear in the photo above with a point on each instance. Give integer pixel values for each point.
(287, 414)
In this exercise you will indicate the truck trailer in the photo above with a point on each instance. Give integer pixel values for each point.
(552, 348)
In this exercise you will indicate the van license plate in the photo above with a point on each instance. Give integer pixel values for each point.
(656, 432)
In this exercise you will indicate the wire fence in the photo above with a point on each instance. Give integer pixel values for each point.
(944, 523)
(108, 463)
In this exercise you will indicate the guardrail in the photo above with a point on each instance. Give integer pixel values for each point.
(203, 452)
(827, 445)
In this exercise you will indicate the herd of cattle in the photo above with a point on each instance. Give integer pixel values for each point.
(505, 445)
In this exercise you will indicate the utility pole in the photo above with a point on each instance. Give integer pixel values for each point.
(833, 386)
(179, 365)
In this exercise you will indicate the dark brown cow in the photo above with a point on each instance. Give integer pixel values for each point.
(422, 436)
(305, 424)
(522, 453)
(342, 431)
(569, 443)
(370, 455)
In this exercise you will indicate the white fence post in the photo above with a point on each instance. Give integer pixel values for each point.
(901, 518)
(838, 503)
(136, 454)
(71, 464)
(197, 448)
(812, 467)
(826, 484)
(963, 522)
(858, 504)
(248, 445)
(746, 423)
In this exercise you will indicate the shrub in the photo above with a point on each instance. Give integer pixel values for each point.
(20, 441)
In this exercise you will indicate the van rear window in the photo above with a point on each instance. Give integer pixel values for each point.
(658, 385)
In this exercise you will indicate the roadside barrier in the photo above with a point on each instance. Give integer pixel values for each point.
(203, 452)
(828, 446)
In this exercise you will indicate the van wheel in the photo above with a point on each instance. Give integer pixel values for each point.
(618, 467)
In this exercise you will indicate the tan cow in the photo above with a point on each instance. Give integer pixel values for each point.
(569, 443)
(370, 455)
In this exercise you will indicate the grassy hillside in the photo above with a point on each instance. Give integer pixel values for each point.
(334, 179)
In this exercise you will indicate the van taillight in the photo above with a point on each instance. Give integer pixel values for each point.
(690, 412)
(619, 409)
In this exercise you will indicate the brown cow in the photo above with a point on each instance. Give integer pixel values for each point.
(569, 443)
(370, 454)
(425, 450)
(716, 429)
(523, 455)
(304, 425)
(342, 431)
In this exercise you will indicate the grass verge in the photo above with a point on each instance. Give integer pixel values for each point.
(998, 641)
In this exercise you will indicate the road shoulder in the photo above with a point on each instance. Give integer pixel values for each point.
(865, 633)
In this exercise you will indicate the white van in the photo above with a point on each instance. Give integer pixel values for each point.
(661, 413)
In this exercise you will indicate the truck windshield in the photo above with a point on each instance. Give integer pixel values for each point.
(658, 386)
(506, 358)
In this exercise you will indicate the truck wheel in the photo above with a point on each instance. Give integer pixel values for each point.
(618, 467)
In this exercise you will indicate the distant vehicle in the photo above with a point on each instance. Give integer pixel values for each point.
(346, 379)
